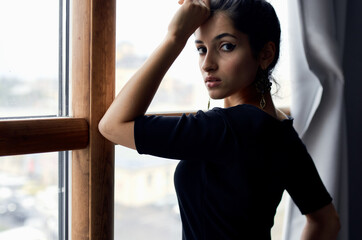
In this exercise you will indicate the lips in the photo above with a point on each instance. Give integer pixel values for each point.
(212, 82)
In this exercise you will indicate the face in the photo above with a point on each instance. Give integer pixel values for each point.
(226, 60)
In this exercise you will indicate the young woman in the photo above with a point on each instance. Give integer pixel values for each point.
(236, 161)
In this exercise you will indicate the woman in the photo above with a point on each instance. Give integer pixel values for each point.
(236, 161)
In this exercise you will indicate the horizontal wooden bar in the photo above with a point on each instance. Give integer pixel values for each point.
(42, 135)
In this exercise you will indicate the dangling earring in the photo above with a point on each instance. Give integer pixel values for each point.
(208, 104)
(262, 85)
(262, 101)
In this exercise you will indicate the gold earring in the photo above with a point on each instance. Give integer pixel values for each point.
(263, 85)
(262, 101)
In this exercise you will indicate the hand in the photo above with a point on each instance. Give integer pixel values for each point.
(207, 2)
(188, 18)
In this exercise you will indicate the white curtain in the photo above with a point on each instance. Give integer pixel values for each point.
(316, 33)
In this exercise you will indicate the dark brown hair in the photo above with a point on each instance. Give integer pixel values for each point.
(255, 18)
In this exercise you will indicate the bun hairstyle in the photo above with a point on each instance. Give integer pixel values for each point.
(255, 18)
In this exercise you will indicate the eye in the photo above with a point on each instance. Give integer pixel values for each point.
(201, 50)
(227, 47)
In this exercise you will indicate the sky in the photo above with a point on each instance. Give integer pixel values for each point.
(146, 26)
(29, 38)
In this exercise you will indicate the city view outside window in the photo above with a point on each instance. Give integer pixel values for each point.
(32, 186)
(29, 197)
(145, 199)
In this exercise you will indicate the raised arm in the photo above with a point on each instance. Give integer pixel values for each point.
(322, 224)
(133, 100)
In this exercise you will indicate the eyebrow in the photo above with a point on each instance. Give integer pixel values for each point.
(218, 37)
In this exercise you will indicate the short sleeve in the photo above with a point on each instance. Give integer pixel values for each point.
(304, 184)
(192, 136)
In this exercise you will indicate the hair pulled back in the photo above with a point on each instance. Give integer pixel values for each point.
(255, 18)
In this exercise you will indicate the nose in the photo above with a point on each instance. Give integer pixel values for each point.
(208, 63)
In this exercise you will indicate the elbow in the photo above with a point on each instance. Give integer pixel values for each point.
(104, 129)
(118, 133)
(334, 226)
(107, 130)
(334, 223)
(337, 224)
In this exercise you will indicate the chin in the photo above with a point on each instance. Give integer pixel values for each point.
(216, 96)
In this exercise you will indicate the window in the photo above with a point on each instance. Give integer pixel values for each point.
(92, 92)
(33, 87)
(139, 31)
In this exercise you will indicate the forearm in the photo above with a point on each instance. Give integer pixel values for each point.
(135, 97)
(138, 93)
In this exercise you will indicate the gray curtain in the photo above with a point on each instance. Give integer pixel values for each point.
(316, 33)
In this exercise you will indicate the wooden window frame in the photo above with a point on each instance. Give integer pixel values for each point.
(93, 87)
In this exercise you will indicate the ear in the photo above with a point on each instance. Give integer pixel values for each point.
(267, 55)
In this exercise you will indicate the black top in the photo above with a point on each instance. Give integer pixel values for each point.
(235, 164)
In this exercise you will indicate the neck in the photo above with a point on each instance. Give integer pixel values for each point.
(247, 96)
(252, 99)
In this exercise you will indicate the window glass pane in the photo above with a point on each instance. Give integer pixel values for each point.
(29, 57)
(29, 197)
(139, 31)
(281, 93)
(145, 199)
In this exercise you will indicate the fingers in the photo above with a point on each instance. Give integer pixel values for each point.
(206, 2)
(188, 18)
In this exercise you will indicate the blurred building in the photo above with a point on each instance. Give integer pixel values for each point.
(142, 180)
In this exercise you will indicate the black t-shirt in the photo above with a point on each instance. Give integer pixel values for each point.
(235, 164)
